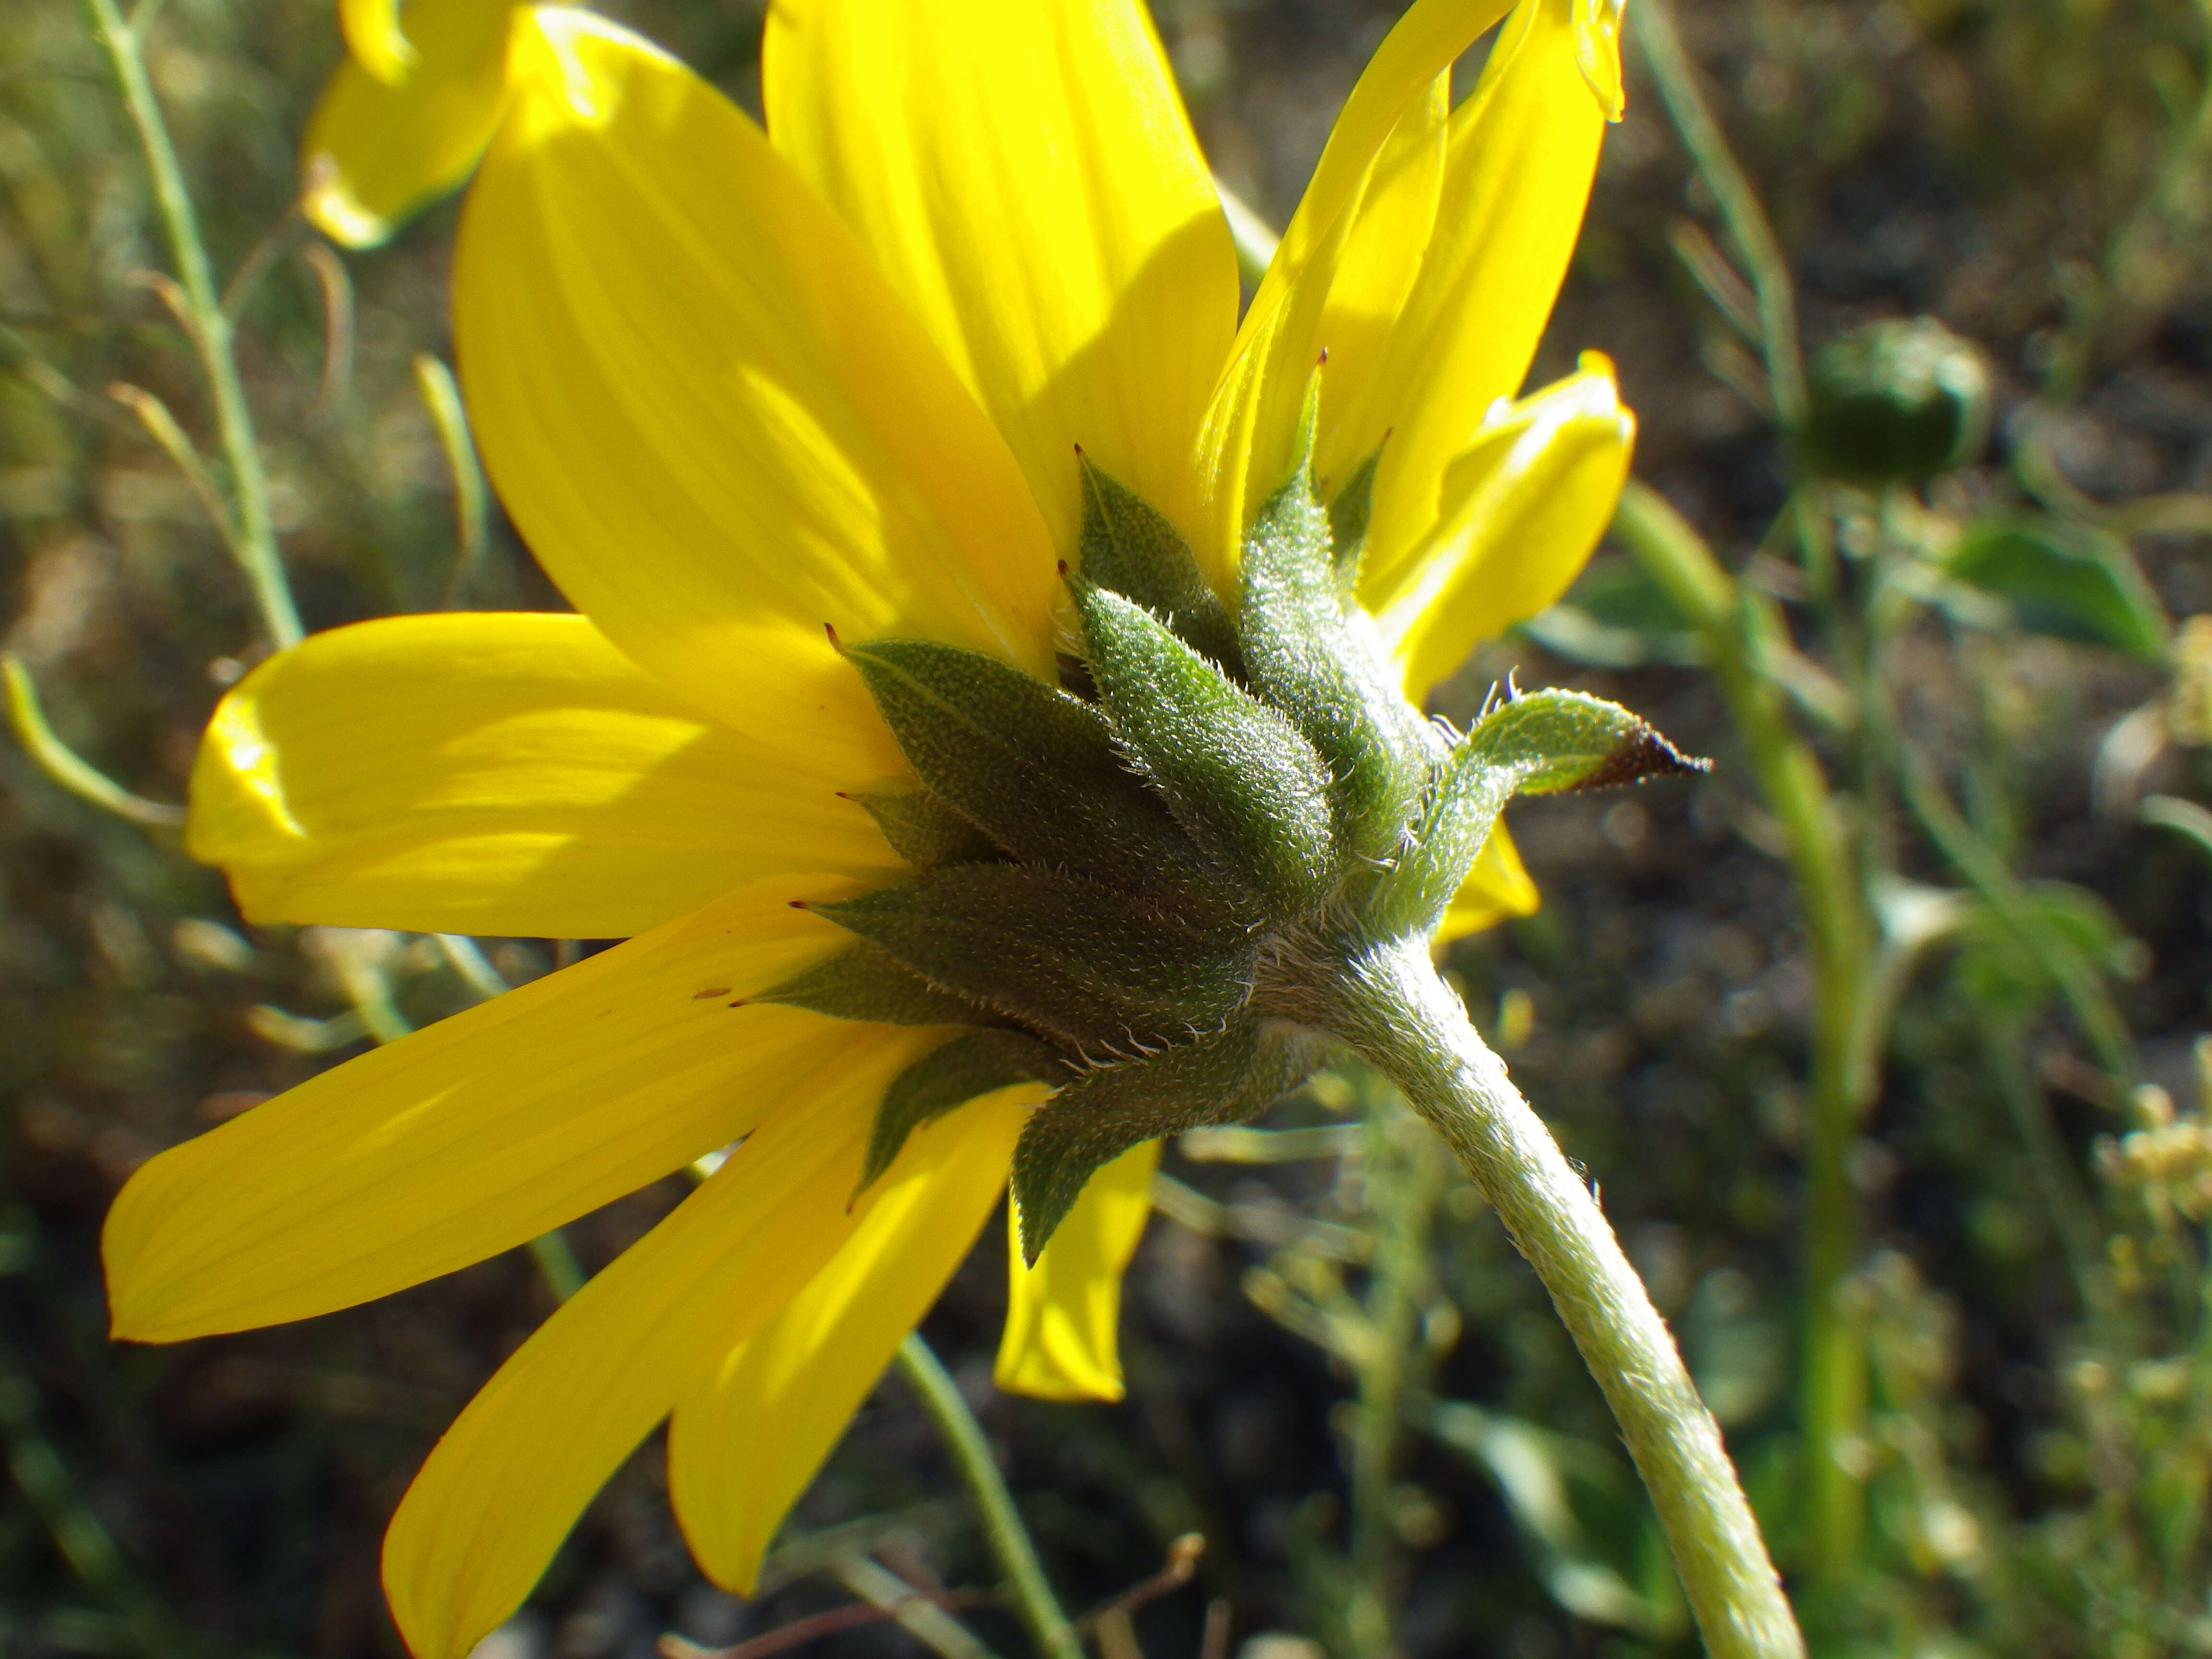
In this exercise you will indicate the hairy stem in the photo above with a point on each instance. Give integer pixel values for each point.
(1388, 1003)
(1009, 1539)
(254, 538)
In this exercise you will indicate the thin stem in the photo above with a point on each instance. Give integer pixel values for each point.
(26, 718)
(1846, 1049)
(1651, 25)
(1009, 1539)
(441, 395)
(210, 330)
(1387, 1003)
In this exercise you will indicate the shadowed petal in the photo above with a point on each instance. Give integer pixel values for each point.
(746, 1443)
(1496, 890)
(501, 1489)
(1063, 1316)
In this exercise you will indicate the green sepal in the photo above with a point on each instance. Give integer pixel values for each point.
(1224, 1078)
(1350, 511)
(1251, 790)
(865, 982)
(1545, 743)
(1034, 768)
(964, 1069)
(925, 831)
(1302, 655)
(1090, 965)
(1130, 547)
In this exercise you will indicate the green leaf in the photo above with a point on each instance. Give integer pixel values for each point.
(1034, 768)
(1996, 971)
(865, 982)
(1304, 657)
(1131, 548)
(964, 1069)
(2071, 583)
(1545, 743)
(1226, 1076)
(1238, 775)
(1091, 966)
(925, 832)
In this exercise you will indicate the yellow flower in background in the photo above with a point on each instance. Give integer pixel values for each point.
(406, 117)
(733, 386)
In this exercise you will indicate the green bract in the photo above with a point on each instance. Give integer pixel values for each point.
(1139, 885)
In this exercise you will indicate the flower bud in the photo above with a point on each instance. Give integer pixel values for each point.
(1895, 402)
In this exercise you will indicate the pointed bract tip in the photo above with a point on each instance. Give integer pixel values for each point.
(1321, 361)
(798, 904)
(836, 644)
(740, 1002)
(1063, 569)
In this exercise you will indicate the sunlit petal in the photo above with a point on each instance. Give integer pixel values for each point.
(746, 1443)
(374, 38)
(405, 117)
(1522, 509)
(514, 773)
(1524, 149)
(714, 421)
(501, 1489)
(1063, 1316)
(1025, 173)
(480, 1132)
(1244, 445)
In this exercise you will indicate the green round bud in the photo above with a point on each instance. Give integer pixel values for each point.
(1895, 402)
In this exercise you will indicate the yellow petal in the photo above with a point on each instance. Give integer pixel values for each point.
(1521, 509)
(746, 1443)
(1597, 53)
(716, 424)
(405, 118)
(1496, 890)
(501, 1489)
(1524, 151)
(374, 37)
(480, 1132)
(1063, 1316)
(1244, 445)
(1025, 173)
(479, 773)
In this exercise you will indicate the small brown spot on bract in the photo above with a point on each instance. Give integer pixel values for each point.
(711, 991)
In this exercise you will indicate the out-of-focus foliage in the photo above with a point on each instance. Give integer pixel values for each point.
(1341, 1374)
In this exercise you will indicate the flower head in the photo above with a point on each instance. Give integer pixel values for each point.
(990, 652)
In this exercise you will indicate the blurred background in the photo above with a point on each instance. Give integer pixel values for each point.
(1880, 1041)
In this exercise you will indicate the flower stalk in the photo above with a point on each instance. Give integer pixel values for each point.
(1390, 1005)
(251, 530)
(1009, 1539)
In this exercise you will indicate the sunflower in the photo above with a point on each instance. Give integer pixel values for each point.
(853, 441)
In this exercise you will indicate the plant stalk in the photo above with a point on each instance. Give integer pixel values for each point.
(1009, 1539)
(1833, 1401)
(209, 327)
(1387, 1003)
